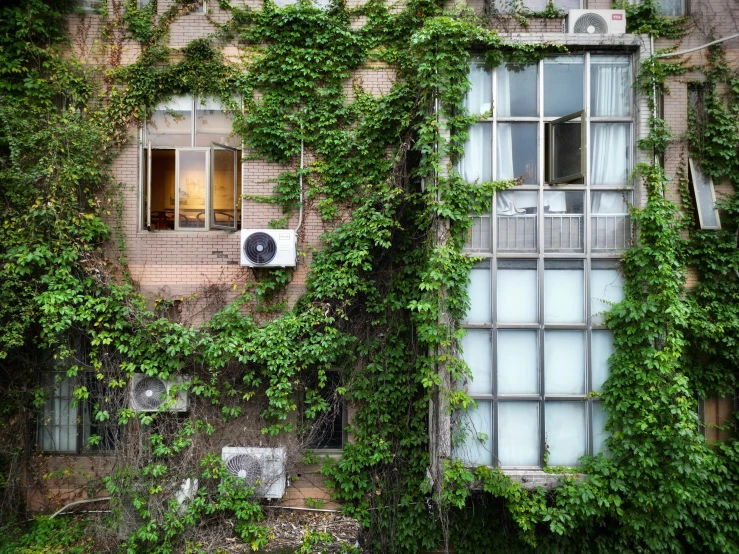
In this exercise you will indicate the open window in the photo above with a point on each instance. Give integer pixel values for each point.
(566, 149)
(192, 175)
(323, 429)
(705, 197)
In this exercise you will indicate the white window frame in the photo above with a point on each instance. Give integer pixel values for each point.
(696, 172)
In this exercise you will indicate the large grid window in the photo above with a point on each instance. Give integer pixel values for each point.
(536, 342)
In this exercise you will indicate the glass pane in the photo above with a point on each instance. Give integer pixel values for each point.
(565, 435)
(517, 91)
(479, 96)
(476, 165)
(610, 221)
(517, 292)
(606, 288)
(566, 154)
(213, 124)
(477, 421)
(518, 433)
(610, 161)
(192, 189)
(476, 351)
(59, 419)
(564, 362)
(478, 290)
(516, 216)
(564, 228)
(704, 195)
(600, 417)
(610, 86)
(478, 236)
(163, 171)
(518, 362)
(517, 152)
(564, 300)
(670, 7)
(541, 5)
(171, 123)
(224, 188)
(563, 83)
(602, 347)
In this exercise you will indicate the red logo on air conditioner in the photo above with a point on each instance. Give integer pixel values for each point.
(617, 16)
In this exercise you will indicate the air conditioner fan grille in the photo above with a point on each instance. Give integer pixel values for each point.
(591, 23)
(148, 393)
(246, 467)
(260, 248)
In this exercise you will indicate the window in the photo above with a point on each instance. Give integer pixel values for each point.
(86, 6)
(323, 429)
(672, 7)
(535, 5)
(705, 197)
(536, 342)
(191, 167)
(65, 424)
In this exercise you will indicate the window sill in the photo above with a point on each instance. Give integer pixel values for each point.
(531, 479)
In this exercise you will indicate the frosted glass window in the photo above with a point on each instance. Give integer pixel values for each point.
(478, 97)
(564, 362)
(517, 291)
(171, 123)
(476, 165)
(517, 152)
(518, 433)
(600, 417)
(563, 85)
(477, 421)
(565, 425)
(518, 362)
(480, 310)
(606, 289)
(610, 86)
(476, 351)
(563, 292)
(517, 91)
(610, 147)
(602, 346)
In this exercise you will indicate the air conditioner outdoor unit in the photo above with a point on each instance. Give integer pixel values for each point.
(596, 22)
(261, 468)
(148, 394)
(268, 248)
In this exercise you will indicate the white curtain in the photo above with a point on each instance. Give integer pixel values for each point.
(610, 160)
(565, 432)
(479, 96)
(503, 99)
(513, 203)
(608, 203)
(610, 97)
(564, 362)
(518, 433)
(505, 151)
(518, 362)
(475, 166)
(556, 201)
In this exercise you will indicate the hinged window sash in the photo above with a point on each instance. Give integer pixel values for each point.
(567, 148)
(224, 167)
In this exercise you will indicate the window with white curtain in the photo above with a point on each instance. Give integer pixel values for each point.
(537, 344)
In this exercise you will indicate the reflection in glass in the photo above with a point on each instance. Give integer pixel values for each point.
(564, 228)
(516, 155)
(518, 362)
(476, 165)
(565, 425)
(224, 187)
(566, 152)
(192, 180)
(171, 123)
(563, 84)
(476, 422)
(517, 91)
(518, 433)
(213, 123)
(516, 216)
